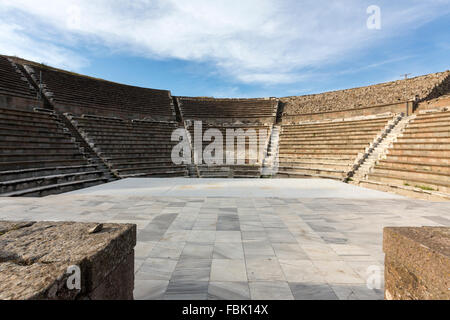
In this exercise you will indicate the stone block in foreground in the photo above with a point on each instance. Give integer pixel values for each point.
(35, 257)
(417, 263)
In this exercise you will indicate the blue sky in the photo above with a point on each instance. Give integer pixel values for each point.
(231, 48)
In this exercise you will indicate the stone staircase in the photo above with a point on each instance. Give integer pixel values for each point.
(380, 147)
(417, 163)
(270, 162)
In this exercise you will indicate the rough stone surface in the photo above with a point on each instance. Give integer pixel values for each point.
(34, 257)
(424, 87)
(417, 263)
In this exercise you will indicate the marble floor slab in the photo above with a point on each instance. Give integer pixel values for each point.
(215, 242)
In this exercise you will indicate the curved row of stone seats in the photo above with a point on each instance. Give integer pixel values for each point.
(12, 82)
(246, 164)
(132, 148)
(38, 157)
(82, 94)
(420, 158)
(326, 149)
(230, 171)
(229, 110)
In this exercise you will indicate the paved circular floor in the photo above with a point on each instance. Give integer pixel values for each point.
(266, 188)
(245, 239)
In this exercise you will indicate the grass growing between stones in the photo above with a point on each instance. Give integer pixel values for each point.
(425, 188)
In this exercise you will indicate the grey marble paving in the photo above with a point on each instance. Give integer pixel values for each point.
(210, 242)
(312, 291)
(228, 291)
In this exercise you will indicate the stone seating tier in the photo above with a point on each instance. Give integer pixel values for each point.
(209, 109)
(132, 148)
(38, 157)
(326, 149)
(420, 158)
(84, 93)
(13, 83)
(251, 167)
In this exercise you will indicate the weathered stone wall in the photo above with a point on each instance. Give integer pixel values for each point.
(438, 103)
(35, 257)
(423, 87)
(417, 263)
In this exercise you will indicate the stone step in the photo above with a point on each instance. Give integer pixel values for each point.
(30, 150)
(326, 141)
(35, 182)
(349, 151)
(125, 158)
(18, 165)
(350, 130)
(55, 189)
(33, 143)
(413, 182)
(413, 166)
(312, 171)
(427, 134)
(36, 127)
(29, 132)
(137, 154)
(136, 164)
(344, 166)
(128, 141)
(419, 152)
(126, 129)
(38, 172)
(293, 175)
(324, 145)
(37, 123)
(332, 134)
(407, 191)
(433, 115)
(129, 149)
(40, 157)
(26, 118)
(167, 174)
(151, 169)
(426, 129)
(421, 158)
(28, 114)
(412, 174)
(422, 146)
(343, 123)
(134, 136)
(428, 126)
(426, 140)
(439, 119)
(322, 157)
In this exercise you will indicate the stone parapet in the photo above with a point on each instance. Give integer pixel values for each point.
(39, 259)
(419, 89)
(417, 263)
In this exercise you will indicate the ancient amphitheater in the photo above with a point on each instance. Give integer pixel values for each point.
(303, 220)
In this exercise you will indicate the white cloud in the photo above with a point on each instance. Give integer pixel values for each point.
(15, 42)
(252, 41)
